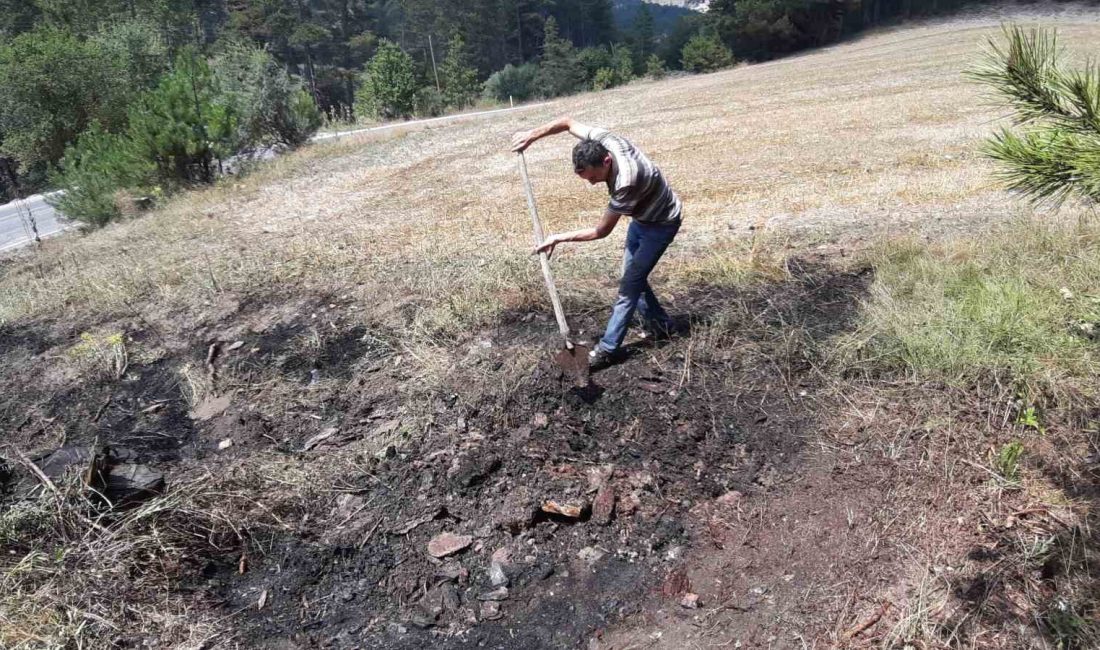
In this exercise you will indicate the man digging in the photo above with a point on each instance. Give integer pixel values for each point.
(638, 190)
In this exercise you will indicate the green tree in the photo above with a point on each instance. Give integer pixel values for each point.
(593, 59)
(1054, 152)
(558, 72)
(513, 82)
(623, 63)
(460, 85)
(654, 67)
(645, 42)
(54, 85)
(705, 53)
(93, 171)
(185, 124)
(388, 87)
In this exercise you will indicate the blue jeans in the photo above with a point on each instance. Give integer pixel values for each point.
(644, 246)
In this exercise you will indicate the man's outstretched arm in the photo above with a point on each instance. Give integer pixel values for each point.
(524, 139)
(601, 230)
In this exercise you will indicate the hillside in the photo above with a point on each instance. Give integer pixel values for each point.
(342, 357)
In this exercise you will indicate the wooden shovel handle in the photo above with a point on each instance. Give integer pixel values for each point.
(544, 259)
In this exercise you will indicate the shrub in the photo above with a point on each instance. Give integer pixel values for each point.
(512, 81)
(388, 86)
(705, 53)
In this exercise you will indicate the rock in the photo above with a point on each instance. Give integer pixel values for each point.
(500, 593)
(539, 421)
(324, 435)
(517, 512)
(603, 506)
(690, 601)
(497, 576)
(446, 544)
(490, 611)
(225, 444)
(211, 407)
(470, 469)
(236, 345)
(590, 555)
(502, 556)
(423, 619)
(629, 504)
(731, 498)
(449, 598)
(452, 571)
(571, 509)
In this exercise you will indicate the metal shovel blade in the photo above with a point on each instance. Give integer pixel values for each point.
(573, 360)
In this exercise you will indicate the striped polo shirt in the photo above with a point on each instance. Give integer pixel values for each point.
(637, 188)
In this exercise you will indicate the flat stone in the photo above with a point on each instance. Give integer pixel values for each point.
(571, 509)
(495, 595)
(446, 544)
(590, 555)
(690, 601)
(603, 506)
(490, 611)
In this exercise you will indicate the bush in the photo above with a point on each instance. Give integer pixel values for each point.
(271, 106)
(705, 53)
(655, 67)
(512, 81)
(388, 86)
(92, 172)
(428, 102)
(605, 78)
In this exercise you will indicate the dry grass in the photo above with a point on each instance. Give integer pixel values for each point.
(425, 233)
(431, 222)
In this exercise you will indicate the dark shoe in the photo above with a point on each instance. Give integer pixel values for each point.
(657, 332)
(599, 358)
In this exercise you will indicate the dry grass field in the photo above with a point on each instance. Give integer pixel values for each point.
(852, 480)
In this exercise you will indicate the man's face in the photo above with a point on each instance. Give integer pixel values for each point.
(597, 174)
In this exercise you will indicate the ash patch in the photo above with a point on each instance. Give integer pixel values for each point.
(569, 508)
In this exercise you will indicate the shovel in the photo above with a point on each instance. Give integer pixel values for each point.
(572, 358)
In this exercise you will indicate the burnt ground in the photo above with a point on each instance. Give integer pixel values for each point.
(722, 463)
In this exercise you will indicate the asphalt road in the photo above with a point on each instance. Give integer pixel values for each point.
(15, 228)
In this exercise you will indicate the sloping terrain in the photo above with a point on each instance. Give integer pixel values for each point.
(340, 364)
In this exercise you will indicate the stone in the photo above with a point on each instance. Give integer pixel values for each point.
(446, 544)
(731, 498)
(603, 506)
(467, 470)
(497, 576)
(501, 593)
(225, 444)
(490, 611)
(570, 509)
(453, 572)
(590, 555)
(539, 421)
(690, 601)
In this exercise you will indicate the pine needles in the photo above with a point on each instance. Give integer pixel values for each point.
(1054, 155)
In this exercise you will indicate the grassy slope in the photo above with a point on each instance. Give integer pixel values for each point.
(426, 232)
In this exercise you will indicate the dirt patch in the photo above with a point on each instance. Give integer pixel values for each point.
(666, 431)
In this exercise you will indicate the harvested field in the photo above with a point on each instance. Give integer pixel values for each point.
(339, 363)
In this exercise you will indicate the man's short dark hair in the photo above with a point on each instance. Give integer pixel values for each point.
(588, 153)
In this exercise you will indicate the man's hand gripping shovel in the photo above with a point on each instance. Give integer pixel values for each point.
(573, 358)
